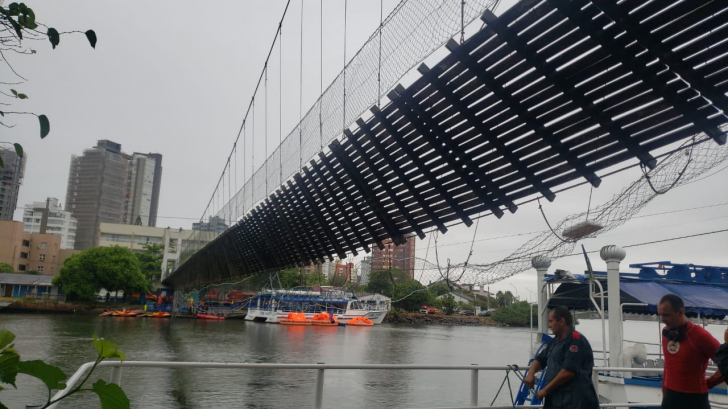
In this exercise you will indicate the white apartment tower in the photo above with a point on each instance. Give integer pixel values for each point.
(49, 217)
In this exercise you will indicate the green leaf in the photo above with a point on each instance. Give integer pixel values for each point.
(45, 126)
(14, 9)
(2, 164)
(2, 113)
(17, 27)
(52, 376)
(18, 149)
(107, 349)
(22, 96)
(9, 366)
(3, 406)
(54, 37)
(6, 337)
(91, 35)
(111, 395)
(14, 92)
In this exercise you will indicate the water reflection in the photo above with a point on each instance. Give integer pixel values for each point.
(66, 341)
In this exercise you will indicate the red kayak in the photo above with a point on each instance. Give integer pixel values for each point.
(210, 317)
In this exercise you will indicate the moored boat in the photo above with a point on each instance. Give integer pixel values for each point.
(273, 305)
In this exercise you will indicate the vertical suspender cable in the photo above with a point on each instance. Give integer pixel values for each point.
(462, 22)
(252, 160)
(346, 4)
(244, 180)
(245, 117)
(265, 110)
(280, 104)
(379, 68)
(300, 99)
(321, 74)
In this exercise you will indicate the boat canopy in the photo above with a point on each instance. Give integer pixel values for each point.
(702, 297)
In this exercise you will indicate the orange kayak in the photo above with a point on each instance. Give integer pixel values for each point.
(210, 317)
(130, 313)
(158, 314)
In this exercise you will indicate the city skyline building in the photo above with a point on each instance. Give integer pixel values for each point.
(214, 224)
(143, 185)
(12, 174)
(106, 185)
(400, 257)
(49, 217)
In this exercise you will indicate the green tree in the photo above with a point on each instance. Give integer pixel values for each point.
(383, 281)
(448, 304)
(112, 268)
(290, 278)
(150, 260)
(439, 289)
(316, 278)
(410, 295)
(6, 268)
(17, 20)
(516, 314)
(338, 281)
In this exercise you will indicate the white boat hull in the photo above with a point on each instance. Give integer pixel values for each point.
(274, 317)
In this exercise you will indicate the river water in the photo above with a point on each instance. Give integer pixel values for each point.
(65, 341)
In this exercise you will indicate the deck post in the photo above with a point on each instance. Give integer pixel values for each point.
(613, 255)
(474, 387)
(541, 263)
(116, 375)
(318, 399)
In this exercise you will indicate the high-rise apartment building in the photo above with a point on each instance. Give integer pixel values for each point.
(106, 185)
(49, 217)
(142, 195)
(401, 257)
(12, 176)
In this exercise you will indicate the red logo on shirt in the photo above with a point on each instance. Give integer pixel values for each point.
(573, 348)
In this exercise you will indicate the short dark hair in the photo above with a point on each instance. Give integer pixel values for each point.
(562, 312)
(675, 302)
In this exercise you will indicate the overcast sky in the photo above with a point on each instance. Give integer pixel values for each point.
(175, 77)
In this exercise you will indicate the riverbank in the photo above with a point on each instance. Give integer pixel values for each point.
(417, 318)
(52, 307)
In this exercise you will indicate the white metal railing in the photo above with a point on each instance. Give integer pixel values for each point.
(320, 368)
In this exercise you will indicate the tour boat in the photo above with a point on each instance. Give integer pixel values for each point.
(703, 288)
(274, 304)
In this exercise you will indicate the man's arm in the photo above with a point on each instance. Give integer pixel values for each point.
(561, 378)
(530, 378)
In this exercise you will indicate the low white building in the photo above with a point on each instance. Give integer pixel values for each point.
(49, 217)
(135, 237)
(459, 298)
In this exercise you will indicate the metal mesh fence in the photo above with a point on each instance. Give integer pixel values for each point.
(411, 32)
(682, 167)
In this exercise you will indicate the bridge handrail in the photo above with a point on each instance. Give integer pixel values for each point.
(116, 367)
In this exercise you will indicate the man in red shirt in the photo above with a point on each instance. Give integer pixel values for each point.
(687, 348)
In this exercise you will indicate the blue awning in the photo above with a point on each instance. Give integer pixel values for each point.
(700, 299)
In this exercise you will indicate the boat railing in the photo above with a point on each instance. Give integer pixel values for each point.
(321, 368)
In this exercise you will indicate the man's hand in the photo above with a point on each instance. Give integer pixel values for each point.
(529, 380)
(541, 394)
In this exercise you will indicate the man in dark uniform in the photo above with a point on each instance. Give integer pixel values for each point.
(568, 360)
